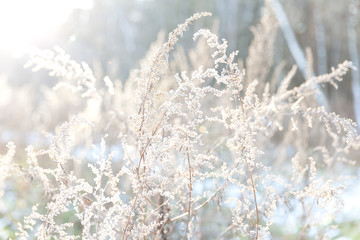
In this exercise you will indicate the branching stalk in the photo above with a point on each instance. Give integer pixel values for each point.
(250, 175)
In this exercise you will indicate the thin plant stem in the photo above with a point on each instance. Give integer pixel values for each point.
(254, 193)
(190, 189)
(129, 218)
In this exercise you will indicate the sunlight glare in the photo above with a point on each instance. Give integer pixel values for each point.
(23, 22)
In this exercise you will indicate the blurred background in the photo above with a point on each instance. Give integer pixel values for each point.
(112, 36)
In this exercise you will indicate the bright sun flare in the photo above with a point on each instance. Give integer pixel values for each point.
(23, 22)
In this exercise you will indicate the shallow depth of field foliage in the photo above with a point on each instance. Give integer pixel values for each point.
(196, 144)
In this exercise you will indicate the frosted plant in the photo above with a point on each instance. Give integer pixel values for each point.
(200, 154)
(78, 77)
(7, 165)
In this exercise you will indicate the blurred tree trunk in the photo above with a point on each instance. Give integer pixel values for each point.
(354, 57)
(294, 46)
(320, 42)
